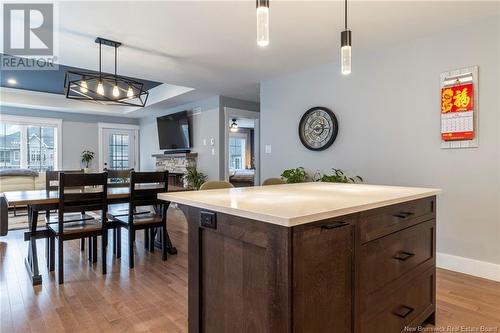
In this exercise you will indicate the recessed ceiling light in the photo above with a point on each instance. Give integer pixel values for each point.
(12, 81)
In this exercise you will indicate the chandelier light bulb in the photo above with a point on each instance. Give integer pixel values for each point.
(84, 87)
(130, 92)
(116, 91)
(100, 88)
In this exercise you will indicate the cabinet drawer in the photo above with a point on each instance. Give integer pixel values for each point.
(384, 221)
(388, 258)
(403, 307)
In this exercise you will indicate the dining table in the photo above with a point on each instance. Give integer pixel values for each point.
(42, 200)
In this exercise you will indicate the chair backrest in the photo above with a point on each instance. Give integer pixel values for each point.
(215, 184)
(145, 186)
(52, 179)
(273, 181)
(81, 192)
(118, 178)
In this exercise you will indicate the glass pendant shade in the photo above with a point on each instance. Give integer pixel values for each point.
(262, 23)
(345, 52)
(234, 126)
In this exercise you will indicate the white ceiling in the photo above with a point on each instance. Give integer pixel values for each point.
(210, 46)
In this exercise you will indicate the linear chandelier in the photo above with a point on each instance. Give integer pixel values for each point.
(110, 89)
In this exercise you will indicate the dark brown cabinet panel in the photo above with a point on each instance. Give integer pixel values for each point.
(322, 278)
(386, 259)
(380, 222)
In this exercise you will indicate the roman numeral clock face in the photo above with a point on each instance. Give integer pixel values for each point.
(318, 128)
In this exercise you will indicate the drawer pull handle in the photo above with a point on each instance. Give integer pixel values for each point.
(334, 225)
(403, 255)
(403, 215)
(403, 311)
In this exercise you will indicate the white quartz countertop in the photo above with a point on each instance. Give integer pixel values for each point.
(294, 204)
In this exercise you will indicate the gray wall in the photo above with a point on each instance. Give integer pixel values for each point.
(389, 114)
(205, 126)
(80, 132)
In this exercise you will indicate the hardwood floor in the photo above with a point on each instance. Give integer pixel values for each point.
(153, 296)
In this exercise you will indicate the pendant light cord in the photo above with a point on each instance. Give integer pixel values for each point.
(115, 64)
(100, 59)
(345, 18)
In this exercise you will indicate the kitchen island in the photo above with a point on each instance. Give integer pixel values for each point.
(311, 257)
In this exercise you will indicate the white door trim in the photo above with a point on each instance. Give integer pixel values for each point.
(229, 113)
(135, 128)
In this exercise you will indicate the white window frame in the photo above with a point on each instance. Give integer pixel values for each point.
(36, 121)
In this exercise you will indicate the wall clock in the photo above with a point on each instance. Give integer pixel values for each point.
(318, 128)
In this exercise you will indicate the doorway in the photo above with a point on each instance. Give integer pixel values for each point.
(118, 147)
(241, 162)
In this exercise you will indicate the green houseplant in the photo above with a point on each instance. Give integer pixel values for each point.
(297, 175)
(194, 178)
(338, 176)
(87, 157)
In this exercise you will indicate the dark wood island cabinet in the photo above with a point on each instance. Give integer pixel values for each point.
(364, 263)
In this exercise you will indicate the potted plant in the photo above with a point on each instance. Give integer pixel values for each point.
(338, 176)
(87, 157)
(297, 175)
(193, 178)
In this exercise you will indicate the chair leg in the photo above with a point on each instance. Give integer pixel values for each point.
(60, 262)
(82, 244)
(146, 238)
(131, 233)
(164, 242)
(90, 248)
(52, 255)
(104, 250)
(94, 249)
(118, 242)
(151, 239)
(47, 251)
(114, 241)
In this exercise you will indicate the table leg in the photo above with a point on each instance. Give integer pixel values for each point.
(32, 258)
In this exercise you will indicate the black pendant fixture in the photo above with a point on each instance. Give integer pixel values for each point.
(110, 89)
(345, 46)
(234, 126)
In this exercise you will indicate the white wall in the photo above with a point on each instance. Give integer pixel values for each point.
(80, 132)
(389, 114)
(205, 126)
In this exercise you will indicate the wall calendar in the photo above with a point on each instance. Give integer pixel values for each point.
(459, 108)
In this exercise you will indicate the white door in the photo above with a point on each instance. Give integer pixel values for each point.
(118, 149)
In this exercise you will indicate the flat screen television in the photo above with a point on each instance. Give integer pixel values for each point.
(174, 131)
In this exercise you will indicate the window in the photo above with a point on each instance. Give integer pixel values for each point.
(118, 151)
(236, 153)
(27, 142)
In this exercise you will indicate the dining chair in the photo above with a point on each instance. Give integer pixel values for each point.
(118, 178)
(273, 181)
(52, 184)
(144, 189)
(215, 184)
(78, 193)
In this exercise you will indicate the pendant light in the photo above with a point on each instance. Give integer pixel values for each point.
(104, 88)
(234, 126)
(345, 46)
(263, 23)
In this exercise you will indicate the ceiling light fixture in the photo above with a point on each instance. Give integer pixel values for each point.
(96, 87)
(12, 81)
(345, 46)
(263, 23)
(234, 126)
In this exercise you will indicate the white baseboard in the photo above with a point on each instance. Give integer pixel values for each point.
(473, 267)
